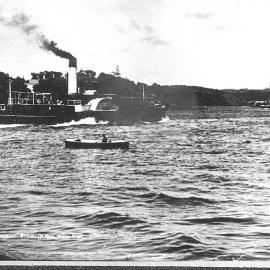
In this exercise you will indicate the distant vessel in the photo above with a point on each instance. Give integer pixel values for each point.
(42, 108)
(145, 108)
(260, 103)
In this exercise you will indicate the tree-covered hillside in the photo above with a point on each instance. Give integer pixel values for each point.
(174, 96)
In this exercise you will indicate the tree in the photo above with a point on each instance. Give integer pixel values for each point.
(116, 73)
(49, 83)
(86, 80)
(4, 80)
(19, 84)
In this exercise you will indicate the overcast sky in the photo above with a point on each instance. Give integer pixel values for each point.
(212, 43)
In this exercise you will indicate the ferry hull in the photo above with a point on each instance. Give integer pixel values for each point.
(36, 114)
(50, 115)
(28, 119)
(56, 114)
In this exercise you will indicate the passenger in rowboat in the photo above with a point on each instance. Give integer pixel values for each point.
(104, 138)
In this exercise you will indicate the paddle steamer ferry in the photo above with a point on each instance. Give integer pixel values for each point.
(42, 108)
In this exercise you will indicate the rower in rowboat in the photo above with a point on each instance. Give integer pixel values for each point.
(105, 139)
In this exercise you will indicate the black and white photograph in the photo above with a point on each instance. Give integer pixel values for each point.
(135, 131)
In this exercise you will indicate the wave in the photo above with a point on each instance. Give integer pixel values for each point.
(83, 193)
(4, 257)
(84, 121)
(170, 248)
(204, 253)
(150, 172)
(265, 140)
(36, 192)
(236, 257)
(215, 152)
(212, 168)
(109, 219)
(40, 214)
(175, 243)
(178, 238)
(213, 178)
(14, 141)
(218, 220)
(127, 188)
(173, 200)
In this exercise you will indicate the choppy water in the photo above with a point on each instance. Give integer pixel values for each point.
(192, 187)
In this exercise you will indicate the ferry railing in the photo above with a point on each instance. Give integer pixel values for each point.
(74, 102)
(25, 101)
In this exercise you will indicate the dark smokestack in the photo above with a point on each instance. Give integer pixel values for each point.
(22, 22)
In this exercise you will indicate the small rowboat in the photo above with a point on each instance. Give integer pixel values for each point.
(88, 144)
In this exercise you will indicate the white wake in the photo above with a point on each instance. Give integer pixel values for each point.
(164, 119)
(84, 121)
(11, 126)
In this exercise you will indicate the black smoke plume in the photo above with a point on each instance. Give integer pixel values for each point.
(51, 46)
(22, 22)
